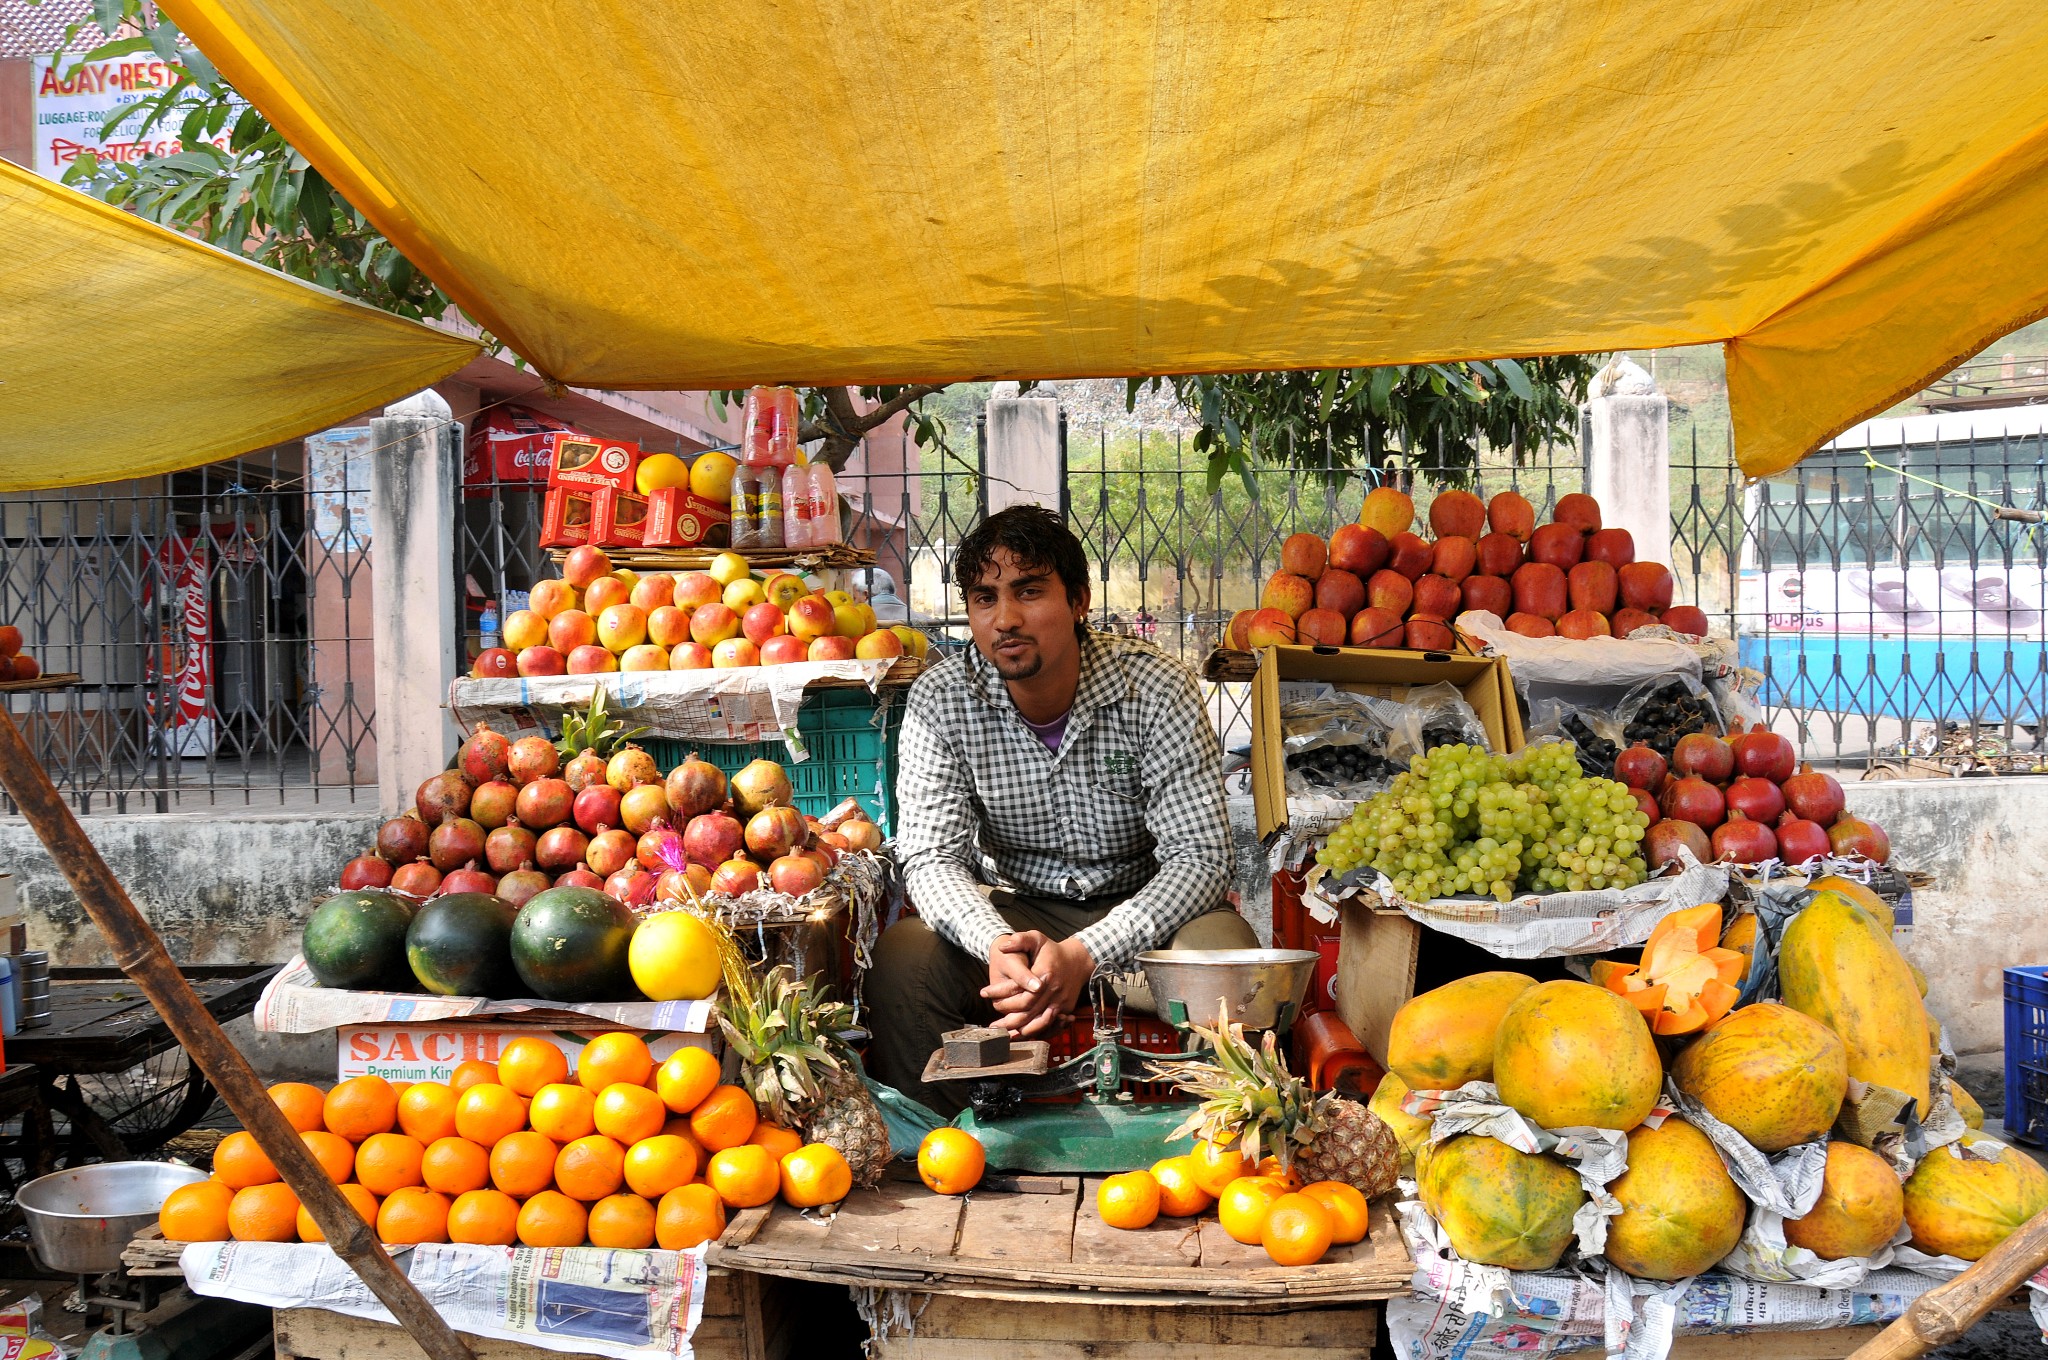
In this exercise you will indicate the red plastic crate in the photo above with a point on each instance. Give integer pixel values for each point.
(1147, 1033)
(1294, 928)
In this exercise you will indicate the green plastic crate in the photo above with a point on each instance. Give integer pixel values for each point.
(851, 736)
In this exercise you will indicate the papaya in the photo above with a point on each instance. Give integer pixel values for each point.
(1860, 1207)
(1919, 978)
(1957, 1205)
(1680, 1210)
(1837, 965)
(1686, 980)
(1572, 1055)
(1741, 934)
(1862, 895)
(1410, 1131)
(1966, 1105)
(1444, 1038)
(1774, 1075)
(1501, 1207)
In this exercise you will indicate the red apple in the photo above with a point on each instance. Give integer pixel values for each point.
(1510, 513)
(494, 663)
(1578, 510)
(763, 621)
(1390, 590)
(1235, 635)
(1426, 634)
(1304, 555)
(833, 648)
(644, 656)
(1531, 625)
(1376, 627)
(653, 590)
(1388, 511)
(1290, 594)
(782, 649)
(668, 625)
(1591, 585)
(1321, 627)
(695, 588)
(1498, 555)
(592, 659)
(812, 617)
(1646, 585)
(542, 661)
(1270, 628)
(1457, 514)
(605, 592)
(1455, 557)
(1411, 556)
(689, 656)
(1490, 593)
(880, 645)
(1626, 621)
(1540, 589)
(584, 565)
(570, 629)
(1558, 544)
(1358, 550)
(1437, 596)
(1582, 624)
(712, 624)
(10, 639)
(1685, 618)
(1615, 547)
(1339, 590)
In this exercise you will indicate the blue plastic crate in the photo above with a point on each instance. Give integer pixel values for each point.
(2026, 1053)
(851, 736)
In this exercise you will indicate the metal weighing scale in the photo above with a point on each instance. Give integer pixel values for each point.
(1109, 1129)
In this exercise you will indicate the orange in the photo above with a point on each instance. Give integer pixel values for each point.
(563, 1112)
(779, 1141)
(613, 1058)
(484, 1218)
(951, 1161)
(523, 1164)
(724, 1119)
(264, 1213)
(455, 1166)
(413, 1214)
(240, 1161)
(654, 1166)
(552, 1219)
(359, 1199)
(688, 1215)
(475, 1072)
(301, 1104)
(1347, 1206)
(196, 1212)
(1215, 1166)
(1179, 1195)
(1242, 1206)
(528, 1064)
(629, 1113)
(336, 1155)
(426, 1111)
(487, 1112)
(686, 1078)
(814, 1174)
(359, 1107)
(1297, 1230)
(590, 1168)
(621, 1221)
(1270, 1167)
(388, 1161)
(743, 1176)
(1130, 1200)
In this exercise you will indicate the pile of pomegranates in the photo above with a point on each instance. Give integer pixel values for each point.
(1743, 799)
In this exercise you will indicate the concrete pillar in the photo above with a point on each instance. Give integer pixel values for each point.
(1022, 460)
(1628, 464)
(415, 479)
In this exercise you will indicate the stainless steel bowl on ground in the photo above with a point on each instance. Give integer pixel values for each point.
(80, 1220)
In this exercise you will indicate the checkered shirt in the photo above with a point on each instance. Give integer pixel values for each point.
(1132, 803)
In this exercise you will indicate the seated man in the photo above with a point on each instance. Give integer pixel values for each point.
(1060, 810)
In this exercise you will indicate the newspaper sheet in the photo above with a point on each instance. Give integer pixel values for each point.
(295, 1003)
(630, 1305)
(1606, 662)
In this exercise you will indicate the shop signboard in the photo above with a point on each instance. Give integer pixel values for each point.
(73, 101)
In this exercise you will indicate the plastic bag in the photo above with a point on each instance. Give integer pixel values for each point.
(1595, 734)
(1658, 712)
(1352, 745)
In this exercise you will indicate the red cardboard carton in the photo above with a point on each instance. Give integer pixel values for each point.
(581, 460)
(617, 518)
(676, 518)
(507, 444)
(566, 517)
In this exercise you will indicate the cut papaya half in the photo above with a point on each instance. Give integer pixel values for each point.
(1685, 981)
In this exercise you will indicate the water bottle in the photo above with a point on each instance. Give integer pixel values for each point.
(797, 507)
(824, 495)
(489, 625)
(10, 1016)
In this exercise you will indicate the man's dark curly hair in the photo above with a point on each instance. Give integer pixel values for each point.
(1035, 538)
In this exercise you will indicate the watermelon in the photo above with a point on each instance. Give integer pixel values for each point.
(461, 945)
(569, 944)
(356, 941)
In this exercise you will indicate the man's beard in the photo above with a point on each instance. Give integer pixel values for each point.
(1020, 670)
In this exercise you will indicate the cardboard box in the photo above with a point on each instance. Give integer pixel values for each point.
(432, 1052)
(618, 519)
(1484, 681)
(581, 460)
(566, 517)
(677, 518)
(507, 444)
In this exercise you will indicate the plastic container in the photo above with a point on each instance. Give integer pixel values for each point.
(851, 736)
(10, 1017)
(2026, 1053)
(799, 511)
(824, 493)
(757, 506)
(771, 420)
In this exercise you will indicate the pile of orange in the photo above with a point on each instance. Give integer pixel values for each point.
(626, 1153)
(1258, 1205)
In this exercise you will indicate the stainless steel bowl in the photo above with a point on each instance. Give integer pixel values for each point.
(1259, 988)
(80, 1220)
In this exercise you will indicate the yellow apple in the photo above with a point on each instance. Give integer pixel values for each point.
(838, 597)
(743, 594)
(812, 617)
(785, 589)
(878, 646)
(622, 626)
(523, 628)
(914, 642)
(849, 620)
(645, 657)
(728, 567)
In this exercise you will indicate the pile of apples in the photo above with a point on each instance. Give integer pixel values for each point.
(15, 664)
(1377, 583)
(595, 618)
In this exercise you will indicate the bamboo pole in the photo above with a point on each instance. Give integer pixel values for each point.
(1945, 1312)
(140, 954)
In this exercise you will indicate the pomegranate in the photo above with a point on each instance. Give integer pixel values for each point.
(522, 883)
(736, 876)
(580, 878)
(660, 848)
(545, 803)
(686, 884)
(832, 843)
(861, 834)
(1639, 767)
(560, 847)
(695, 787)
(584, 771)
(642, 806)
(1661, 844)
(454, 843)
(632, 885)
(493, 804)
(817, 857)
(1854, 836)
(1800, 840)
(712, 839)
(533, 758)
(445, 795)
(1694, 800)
(1647, 803)
(1704, 755)
(631, 768)
(761, 784)
(795, 875)
(1764, 754)
(609, 852)
(365, 871)
(467, 879)
(509, 847)
(1741, 841)
(775, 831)
(483, 756)
(596, 807)
(1814, 796)
(1757, 799)
(417, 879)
(402, 840)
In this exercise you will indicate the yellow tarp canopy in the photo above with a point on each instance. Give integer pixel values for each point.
(128, 350)
(1846, 192)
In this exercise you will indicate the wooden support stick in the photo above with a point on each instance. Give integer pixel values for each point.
(1948, 1310)
(141, 955)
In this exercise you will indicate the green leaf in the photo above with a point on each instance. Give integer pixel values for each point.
(163, 39)
(1132, 386)
(107, 14)
(1517, 380)
(1382, 390)
(316, 209)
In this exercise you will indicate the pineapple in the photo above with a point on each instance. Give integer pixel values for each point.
(798, 1070)
(593, 731)
(1249, 1097)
